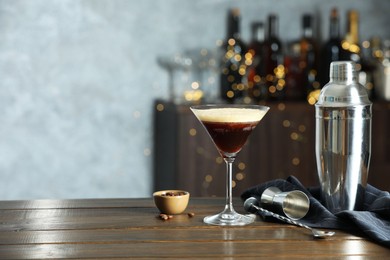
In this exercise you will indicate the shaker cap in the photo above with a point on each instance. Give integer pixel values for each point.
(343, 88)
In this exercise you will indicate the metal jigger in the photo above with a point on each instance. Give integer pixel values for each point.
(293, 204)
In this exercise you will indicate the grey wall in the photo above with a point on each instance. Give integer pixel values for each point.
(78, 80)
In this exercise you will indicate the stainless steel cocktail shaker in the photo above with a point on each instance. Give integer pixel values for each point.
(343, 138)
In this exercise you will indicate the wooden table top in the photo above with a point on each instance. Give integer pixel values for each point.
(130, 228)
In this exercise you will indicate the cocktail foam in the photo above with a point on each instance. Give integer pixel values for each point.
(231, 115)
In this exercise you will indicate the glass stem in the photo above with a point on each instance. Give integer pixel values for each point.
(229, 189)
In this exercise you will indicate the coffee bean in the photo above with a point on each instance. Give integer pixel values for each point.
(163, 216)
(171, 193)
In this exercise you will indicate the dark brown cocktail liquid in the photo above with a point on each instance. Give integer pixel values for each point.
(229, 137)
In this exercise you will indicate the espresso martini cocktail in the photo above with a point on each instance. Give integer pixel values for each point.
(229, 127)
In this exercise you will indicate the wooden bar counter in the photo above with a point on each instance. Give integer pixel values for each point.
(130, 228)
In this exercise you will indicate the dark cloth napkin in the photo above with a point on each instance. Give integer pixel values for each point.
(373, 221)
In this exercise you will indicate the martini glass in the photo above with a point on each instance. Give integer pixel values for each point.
(229, 127)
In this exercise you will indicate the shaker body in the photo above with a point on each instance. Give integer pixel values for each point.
(343, 138)
(343, 150)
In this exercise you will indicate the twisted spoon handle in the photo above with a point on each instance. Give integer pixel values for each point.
(282, 218)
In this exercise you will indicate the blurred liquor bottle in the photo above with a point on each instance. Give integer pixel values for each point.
(295, 90)
(233, 68)
(273, 61)
(380, 53)
(350, 43)
(331, 50)
(353, 51)
(309, 59)
(257, 89)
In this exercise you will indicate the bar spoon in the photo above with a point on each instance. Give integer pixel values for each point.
(250, 206)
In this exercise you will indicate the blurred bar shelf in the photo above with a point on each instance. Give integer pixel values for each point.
(280, 146)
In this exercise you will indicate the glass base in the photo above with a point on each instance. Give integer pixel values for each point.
(229, 219)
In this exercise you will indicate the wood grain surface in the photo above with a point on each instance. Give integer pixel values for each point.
(130, 228)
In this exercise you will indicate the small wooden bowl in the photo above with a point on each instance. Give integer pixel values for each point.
(171, 202)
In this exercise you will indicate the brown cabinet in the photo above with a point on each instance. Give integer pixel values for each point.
(281, 145)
